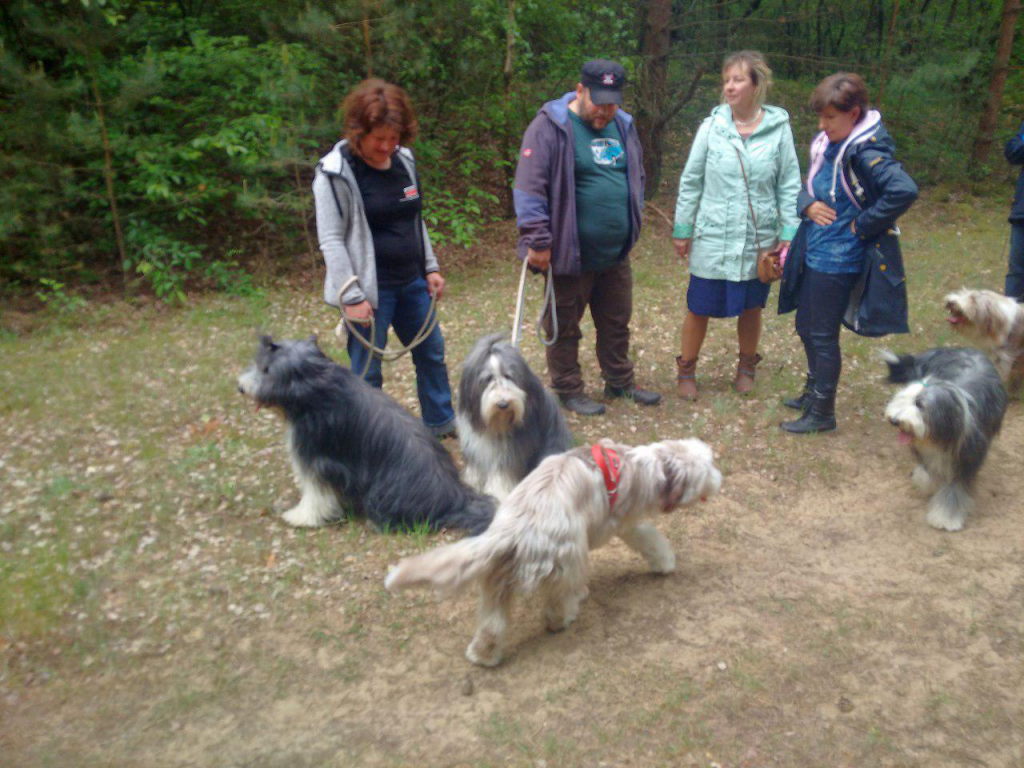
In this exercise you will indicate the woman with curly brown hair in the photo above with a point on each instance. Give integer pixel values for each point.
(369, 218)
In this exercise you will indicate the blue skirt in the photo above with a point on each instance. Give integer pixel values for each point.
(725, 298)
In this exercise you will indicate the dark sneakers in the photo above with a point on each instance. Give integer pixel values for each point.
(581, 404)
(637, 395)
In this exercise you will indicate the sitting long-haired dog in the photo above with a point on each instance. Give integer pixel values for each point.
(949, 413)
(351, 442)
(997, 320)
(507, 420)
(539, 539)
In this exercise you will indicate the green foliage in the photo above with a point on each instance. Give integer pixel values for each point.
(54, 295)
(928, 109)
(193, 128)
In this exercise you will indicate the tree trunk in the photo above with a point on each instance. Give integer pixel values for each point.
(108, 178)
(1000, 68)
(367, 43)
(652, 88)
(507, 71)
(883, 75)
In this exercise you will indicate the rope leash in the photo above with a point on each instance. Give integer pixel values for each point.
(386, 355)
(549, 304)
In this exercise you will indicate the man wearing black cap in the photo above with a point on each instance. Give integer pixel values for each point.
(578, 194)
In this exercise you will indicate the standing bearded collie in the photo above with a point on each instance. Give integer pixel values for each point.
(949, 413)
(507, 421)
(541, 533)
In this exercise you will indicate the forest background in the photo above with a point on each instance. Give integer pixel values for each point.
(150, 147)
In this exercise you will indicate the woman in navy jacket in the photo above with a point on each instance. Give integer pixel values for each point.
(844, 265)
(1015, 274)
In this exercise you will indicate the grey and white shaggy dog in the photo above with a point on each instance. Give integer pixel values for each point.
(996, 320)
(573, 502)
(507, 420)
(351, 442)
(949, 413)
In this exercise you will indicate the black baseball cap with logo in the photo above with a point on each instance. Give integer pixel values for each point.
(605, 80)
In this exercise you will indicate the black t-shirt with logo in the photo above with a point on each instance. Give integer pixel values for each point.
(392, 202)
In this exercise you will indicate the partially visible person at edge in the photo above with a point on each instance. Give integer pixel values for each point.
(742, 157)
(1015, 272)
(844, 265)
(370, 225)
(579, 197)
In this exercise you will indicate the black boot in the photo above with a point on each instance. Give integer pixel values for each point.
(819, 417)
(803, 400)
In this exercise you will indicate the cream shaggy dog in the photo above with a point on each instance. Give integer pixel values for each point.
(542, 532)
(997, 320)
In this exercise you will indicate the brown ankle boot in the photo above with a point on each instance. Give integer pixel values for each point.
(686, 380)
(745, 368)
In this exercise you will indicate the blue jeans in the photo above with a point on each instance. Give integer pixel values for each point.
(1015, 274)
(405, 308)
(819, 316)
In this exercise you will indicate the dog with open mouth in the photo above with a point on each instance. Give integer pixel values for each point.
(948, 413)
(998, 322)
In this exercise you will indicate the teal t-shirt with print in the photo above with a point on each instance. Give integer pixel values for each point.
(602, 193)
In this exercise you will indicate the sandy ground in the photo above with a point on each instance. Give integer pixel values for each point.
(814, 620)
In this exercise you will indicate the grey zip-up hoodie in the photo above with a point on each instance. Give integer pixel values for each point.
(545, 186)
(344, 233)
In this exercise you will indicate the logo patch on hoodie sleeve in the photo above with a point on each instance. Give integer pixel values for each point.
(410, 192)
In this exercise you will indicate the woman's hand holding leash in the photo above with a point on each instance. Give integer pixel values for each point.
(435, 285)
(358, 313)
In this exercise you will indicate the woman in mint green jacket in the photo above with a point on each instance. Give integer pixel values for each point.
(743, 157)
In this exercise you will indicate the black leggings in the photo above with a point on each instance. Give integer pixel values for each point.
(823, 300)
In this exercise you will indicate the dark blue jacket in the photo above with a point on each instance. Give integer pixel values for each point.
(1015, 154)
(883, 191)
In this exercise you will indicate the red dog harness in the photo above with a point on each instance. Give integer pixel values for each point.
(609, 463)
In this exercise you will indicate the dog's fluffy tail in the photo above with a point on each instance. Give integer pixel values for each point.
(448, 568)
(902, 368)
(474, 516)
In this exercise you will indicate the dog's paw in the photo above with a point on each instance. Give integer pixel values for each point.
(558, 622)
(663, 563)
(922, 480)
(945, 519)
(483, 653)
(302, 517)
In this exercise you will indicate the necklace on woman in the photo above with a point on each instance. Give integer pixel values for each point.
(751, 121)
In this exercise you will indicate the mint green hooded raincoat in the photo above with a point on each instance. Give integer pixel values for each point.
(712, 204)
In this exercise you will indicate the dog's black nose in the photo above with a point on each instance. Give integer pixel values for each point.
(503, 404)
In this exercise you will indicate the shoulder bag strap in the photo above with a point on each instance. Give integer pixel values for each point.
(750, 205)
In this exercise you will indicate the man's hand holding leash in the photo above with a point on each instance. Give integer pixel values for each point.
(539, 259)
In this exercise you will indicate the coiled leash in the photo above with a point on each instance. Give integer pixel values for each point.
(387, 355)
(548, 305)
